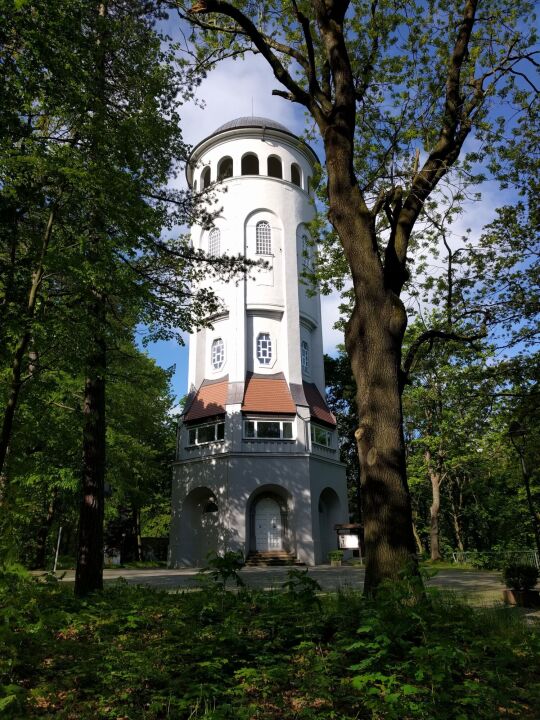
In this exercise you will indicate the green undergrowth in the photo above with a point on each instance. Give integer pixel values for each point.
(134, 653)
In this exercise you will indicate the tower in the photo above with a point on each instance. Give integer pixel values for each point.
(257, 464)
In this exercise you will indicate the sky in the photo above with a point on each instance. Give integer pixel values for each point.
(235, 89)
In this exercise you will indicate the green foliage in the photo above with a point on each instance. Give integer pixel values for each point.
(145, 654)
(220, 568)
(520, 577)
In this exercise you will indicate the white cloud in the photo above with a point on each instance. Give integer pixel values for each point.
(235, 89)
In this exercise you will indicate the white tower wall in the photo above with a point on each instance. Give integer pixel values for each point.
(238, 404)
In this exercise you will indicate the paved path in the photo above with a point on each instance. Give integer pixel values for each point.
(329, 578)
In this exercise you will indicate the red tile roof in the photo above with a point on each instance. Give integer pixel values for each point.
(268, 394)
(210, 399)
(317, 406)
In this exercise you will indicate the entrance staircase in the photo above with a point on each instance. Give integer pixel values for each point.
(272, 558)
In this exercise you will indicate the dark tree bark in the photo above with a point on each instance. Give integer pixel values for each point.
(40, 558)
(89, 574)
(17, 364)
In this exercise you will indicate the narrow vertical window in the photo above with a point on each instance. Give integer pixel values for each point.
(218, 354)
(305, 356)
(275, 168)
(213, 242)
(225, 168)
(205, 178)
(250, 165)
(296, 178)
(263, 236)
(264, 349)
(306, 252)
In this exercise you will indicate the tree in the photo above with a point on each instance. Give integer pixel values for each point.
(86, 159)
(395, 92)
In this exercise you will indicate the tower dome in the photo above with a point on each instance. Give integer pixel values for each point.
(257, 466)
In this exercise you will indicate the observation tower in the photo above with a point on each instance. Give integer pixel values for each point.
(257, 465)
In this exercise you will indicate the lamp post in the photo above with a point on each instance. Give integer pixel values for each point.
(517, 433)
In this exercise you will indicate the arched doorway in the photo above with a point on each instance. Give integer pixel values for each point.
(268, 525)
(200, 526)
(329, 515)
(268, 520)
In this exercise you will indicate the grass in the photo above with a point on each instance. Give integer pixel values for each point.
(138, 653)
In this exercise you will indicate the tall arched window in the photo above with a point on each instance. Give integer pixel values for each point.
(213, 241)
(218, 354)
(275, 168)
(305, 356)
(225, 168)
(306, 252)
(195, 185)
(205, 178)
(296, 176)
(263, 235)
(250, 164)
(264, 348)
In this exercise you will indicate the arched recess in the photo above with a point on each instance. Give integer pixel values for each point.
(250, 164)
(205, 178)
(268, 520)
(275, 167)
(296, 175)
(199, 526)
(329, 515)
(225, 168)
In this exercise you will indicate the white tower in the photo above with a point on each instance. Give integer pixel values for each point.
(257, 464)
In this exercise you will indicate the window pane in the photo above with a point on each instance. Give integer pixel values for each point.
(213, 242)
(218, 354)
(250, 429)
(305, 356)
(264, 349)
(192, 436)
(267, 429)
(295, 175)
(263, 235)
(287, 431)
(221, 431)
(207, 433)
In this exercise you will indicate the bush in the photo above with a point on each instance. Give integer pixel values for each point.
(520, 577)
(289, 654)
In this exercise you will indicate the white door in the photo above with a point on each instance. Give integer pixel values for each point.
(267, 525)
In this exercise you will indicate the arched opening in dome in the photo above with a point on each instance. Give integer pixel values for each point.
(205, 178)
(275, 167)
(225, 168)
(250, 164)
(296, 176)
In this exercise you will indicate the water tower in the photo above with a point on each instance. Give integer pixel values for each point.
(257, 465)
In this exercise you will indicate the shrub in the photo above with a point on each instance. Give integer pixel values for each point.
(520, 577)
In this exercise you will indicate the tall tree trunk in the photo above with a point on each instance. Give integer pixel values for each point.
(43, 534)
(434, 510)
(418, 539)
(373, 339)
(90, 553)
(15, 382)
(89, 573)
(456, 525)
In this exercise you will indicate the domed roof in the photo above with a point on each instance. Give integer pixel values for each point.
(251, 122)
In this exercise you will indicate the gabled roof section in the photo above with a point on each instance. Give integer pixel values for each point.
(210, 399)
(317, 405)
(268, 394)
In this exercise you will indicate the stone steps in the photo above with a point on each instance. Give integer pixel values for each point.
(273, 558)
